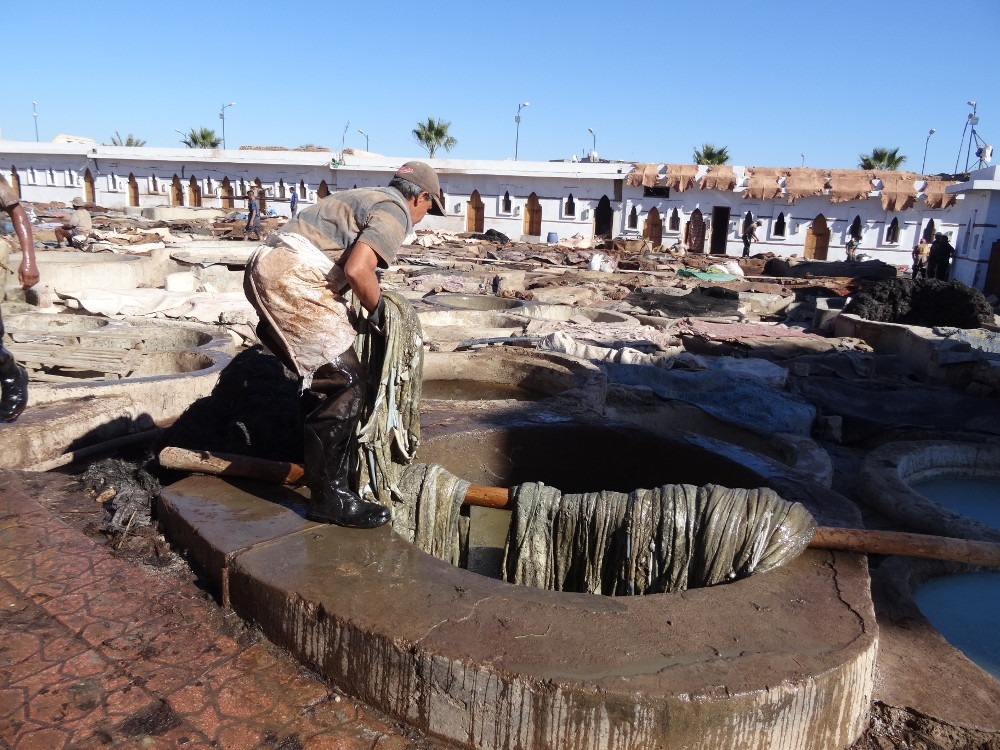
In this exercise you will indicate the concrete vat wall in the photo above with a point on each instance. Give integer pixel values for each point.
(889, 470)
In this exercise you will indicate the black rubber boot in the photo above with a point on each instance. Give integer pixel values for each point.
(337, 391)
(14, 383)
(333, 501)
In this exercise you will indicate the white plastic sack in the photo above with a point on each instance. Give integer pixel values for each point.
(601, 262)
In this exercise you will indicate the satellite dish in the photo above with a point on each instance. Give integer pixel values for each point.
(985, 153)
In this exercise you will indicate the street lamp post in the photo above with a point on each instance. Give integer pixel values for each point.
(34, 113)
(923, 164)
(222, 116)
(366, 137)
(970, 118)
(517, 119)
(593, 148)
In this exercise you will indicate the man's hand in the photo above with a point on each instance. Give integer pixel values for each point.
(376, 320)
(27, 274)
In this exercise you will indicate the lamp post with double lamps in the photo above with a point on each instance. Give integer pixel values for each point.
(593, 148)
(970, 118)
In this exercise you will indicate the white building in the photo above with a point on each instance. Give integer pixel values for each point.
(806, 212)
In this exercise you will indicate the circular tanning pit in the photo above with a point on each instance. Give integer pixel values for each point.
(620, 483)
(473, 301)
(31, 324)
(903, 480)
(67, 348)
(569, 314)
(95, 379)
(782, 660)
(444, 329)
(508, 374)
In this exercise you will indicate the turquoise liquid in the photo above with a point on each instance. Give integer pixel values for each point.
(974, 498)
(966, 611)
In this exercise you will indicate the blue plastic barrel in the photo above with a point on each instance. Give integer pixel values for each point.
(553, 238)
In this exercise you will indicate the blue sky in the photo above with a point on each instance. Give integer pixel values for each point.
(777, 82)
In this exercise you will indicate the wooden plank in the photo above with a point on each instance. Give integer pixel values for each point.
(83, 359)
(115, 336)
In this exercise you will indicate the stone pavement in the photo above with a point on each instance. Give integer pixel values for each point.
(96, 652)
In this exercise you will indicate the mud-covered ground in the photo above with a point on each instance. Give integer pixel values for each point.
(924, 302)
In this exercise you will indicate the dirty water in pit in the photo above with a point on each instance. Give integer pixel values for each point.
(976, 498)
(966, 609)
(476, 390)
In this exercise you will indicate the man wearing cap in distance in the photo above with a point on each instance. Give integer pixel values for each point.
(76, 231)
(306, 321)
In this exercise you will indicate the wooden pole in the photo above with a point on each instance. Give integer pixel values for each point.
(231, 465)
(912, 545)
(488, 497)
(847, 540)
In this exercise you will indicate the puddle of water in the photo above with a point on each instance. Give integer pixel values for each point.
(475, 390)
(977, 498)
(966, 609)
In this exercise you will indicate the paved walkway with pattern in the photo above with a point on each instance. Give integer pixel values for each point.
(98, 652)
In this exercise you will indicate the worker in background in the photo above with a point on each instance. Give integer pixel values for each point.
(852, 248)
(253, 216)
(921, 254)
(939, 259)
(76, 231)
(306, 320)
(13, 377)
(750, 235)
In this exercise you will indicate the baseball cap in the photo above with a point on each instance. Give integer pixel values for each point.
(424, 178)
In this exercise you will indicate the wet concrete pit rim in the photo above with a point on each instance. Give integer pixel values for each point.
(492, 665)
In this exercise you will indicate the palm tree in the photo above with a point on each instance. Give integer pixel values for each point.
(710, 154)
(433, 135)
(201, 138)
(881, 158)
(131, 141)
